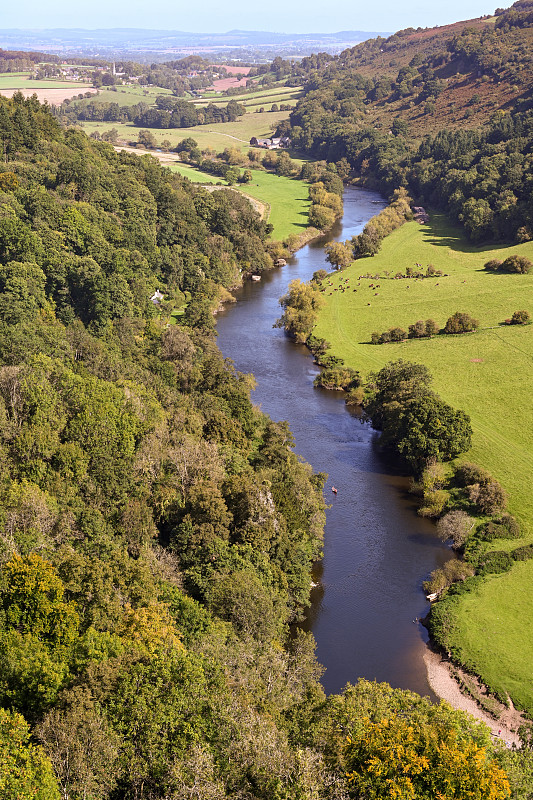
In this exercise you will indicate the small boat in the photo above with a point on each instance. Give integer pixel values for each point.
(333, 490)
(256, 277)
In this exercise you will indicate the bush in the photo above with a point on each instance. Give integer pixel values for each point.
(434, 503)
(488, 497)
(468, 473)
(504, 528)
(457, 526)
(493, 265)
(520, 318)
(355, 397)
(450, 572)
(496, 561)
(522, 553)
(338, 378)
(518, 264)
(461, 323)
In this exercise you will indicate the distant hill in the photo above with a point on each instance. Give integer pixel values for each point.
(137, 42)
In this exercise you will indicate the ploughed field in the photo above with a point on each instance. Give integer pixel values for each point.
(488, 374)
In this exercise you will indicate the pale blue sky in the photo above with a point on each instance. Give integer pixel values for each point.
(303, 16)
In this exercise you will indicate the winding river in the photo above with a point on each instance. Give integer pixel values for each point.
(368, 599)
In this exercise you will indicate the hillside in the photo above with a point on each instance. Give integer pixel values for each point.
(452, 76)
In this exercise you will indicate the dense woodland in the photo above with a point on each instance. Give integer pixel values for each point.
(157, 531)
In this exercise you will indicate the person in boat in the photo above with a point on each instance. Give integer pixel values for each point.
(333, 490)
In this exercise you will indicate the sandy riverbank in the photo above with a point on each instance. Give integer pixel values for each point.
(446, 687)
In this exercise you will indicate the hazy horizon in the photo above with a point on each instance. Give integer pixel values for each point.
(211, 17)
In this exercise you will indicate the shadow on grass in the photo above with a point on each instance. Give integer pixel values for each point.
(439, 231)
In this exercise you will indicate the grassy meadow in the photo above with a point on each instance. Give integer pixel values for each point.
(217, 136)
(487, 373)
(20, 80)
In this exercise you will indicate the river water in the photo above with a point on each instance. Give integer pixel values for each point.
(368, 599)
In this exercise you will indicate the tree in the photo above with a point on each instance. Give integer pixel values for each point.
(520, 318)
(428, 428)
(456, 525)
(460, 323)
(146, 139)
(402, 759)
(339, 255)
(32, 601)
(25, 771)
(300, 305)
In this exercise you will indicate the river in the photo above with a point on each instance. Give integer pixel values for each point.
(368, 599)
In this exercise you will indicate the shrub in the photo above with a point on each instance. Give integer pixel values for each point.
(504, 528)
(468, 473)
(457, 526)
(355, 397)
(518, 264)
(496, 561)
(338, 378)
(461, 323)
(493, 265)
(522, 553)
(488, 497)
(450, 572)
(434, 503)
(520, 318)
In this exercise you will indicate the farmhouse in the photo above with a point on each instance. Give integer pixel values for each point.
(271, 144)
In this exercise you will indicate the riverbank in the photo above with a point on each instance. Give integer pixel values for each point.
(372, 538)
(443, 682)
(487, 374)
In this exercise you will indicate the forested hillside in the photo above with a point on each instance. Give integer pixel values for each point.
(157, 531)
(445, 113)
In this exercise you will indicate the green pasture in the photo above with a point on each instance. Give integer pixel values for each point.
(20, 80)
(287, 199)
(127, 95)
(487, 373)
(264, 97)
(493, 630)
(217, 136)
(194, 175)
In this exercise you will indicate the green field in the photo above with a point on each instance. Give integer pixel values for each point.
(194, 175)
(126, 95)
(19, 80)
(287, 200)
(218, 136)
(488, 374)
(261, 97)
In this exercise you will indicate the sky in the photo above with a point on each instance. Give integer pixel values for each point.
(217, 16)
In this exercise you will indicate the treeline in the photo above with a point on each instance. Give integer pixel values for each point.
(170, 112)
(22, 61)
